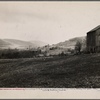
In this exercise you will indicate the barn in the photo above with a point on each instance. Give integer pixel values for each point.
(93, 40)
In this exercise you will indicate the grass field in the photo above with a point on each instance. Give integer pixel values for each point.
(78, 71)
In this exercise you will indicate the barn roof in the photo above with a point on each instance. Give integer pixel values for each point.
(96, 28)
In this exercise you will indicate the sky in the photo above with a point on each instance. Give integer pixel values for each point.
(50, 22)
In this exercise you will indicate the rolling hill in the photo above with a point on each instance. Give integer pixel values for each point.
(61, 47)
(71, 42)
(4, 44)
(64, 47)
(39, 43)
(19, 44)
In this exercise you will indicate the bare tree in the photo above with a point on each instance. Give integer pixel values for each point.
(78, 47)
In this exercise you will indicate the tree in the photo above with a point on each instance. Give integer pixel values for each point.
(78, 47)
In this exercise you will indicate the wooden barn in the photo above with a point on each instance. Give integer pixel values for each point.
(93, 40)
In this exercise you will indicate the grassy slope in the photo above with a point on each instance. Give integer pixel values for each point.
(81, 71)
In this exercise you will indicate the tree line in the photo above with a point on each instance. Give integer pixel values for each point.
(15, 53)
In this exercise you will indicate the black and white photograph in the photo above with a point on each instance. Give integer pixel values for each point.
(50, 45)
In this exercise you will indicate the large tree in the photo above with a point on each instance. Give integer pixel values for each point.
(78, 46)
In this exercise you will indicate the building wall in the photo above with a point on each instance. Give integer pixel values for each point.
(91, 41)
(98, 40)
(98, 37)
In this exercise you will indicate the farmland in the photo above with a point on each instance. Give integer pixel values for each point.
(74, 71)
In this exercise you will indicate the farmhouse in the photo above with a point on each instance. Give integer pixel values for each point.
(93, 40)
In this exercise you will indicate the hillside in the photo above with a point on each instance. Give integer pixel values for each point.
(71, 42)
(4, 44)
(39, 43)
(79, 71)
(19, 44)
(56, 49)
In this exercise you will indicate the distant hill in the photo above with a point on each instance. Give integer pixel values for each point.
(58, 48)
(71, 42)
(39, 43)
(4, 44)
(19, 44)
(62, 46)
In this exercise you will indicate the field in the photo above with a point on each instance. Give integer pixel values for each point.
(77, 71)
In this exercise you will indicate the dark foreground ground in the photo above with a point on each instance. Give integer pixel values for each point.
(78, 71)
